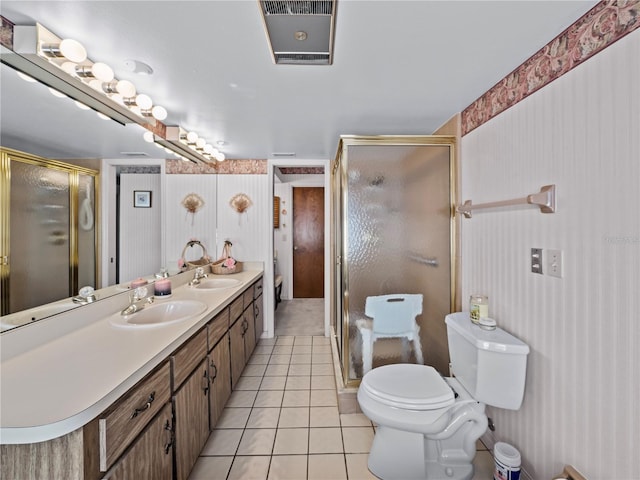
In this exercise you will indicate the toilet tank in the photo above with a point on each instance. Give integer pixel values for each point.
(490, 365)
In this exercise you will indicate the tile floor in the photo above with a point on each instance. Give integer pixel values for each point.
(282, 421)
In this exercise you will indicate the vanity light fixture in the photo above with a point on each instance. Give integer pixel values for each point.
(67, 48)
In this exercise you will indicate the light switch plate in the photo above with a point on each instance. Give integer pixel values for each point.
(553, 264)
(536, 260)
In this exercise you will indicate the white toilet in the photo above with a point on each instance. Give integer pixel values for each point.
(428, 425)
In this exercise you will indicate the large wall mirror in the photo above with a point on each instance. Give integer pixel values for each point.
(35, 121)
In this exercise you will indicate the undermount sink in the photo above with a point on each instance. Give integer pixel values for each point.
(160, 314)
(217, 283)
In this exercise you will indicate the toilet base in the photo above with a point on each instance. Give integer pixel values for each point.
(399, 454)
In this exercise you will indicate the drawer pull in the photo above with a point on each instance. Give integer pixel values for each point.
(169, 444)
(215, 370)
(146, 406)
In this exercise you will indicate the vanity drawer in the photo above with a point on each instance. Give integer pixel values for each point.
(217, 327)
(187, 358)
(257, 289)
(236, 309)
(248, 297)
(124, 420)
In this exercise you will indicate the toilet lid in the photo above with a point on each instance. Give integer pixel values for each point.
(414, 387)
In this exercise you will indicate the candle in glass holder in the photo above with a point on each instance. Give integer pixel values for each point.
(162, 287)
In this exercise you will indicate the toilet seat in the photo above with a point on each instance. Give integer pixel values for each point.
(408, 386)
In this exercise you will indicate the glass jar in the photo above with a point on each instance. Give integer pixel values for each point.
(478, 307)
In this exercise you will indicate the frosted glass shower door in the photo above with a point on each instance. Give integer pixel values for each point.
(396, 227)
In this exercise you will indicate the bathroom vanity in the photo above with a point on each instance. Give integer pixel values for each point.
(84, 397)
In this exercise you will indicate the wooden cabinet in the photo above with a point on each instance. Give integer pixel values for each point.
(236, 350)
(191, 407)
(150, 456)
(249, 332)
(219, 379)
(258, 312)
(120, 424)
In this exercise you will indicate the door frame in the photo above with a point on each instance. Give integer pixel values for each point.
(272, 164)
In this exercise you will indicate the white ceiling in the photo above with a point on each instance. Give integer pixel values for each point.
(400, 67)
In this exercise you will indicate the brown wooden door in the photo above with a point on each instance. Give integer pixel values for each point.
(220, 379)
(308, 242)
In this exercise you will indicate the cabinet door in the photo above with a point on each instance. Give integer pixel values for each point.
(191, 404)
(249, 332)
(150, 455)
(219, 379)
(259, 315)
(236, 345)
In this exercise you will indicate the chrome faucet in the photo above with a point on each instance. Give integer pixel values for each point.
(138, 301)
(197, 276)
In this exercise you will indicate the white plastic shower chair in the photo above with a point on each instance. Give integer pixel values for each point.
(394, 316)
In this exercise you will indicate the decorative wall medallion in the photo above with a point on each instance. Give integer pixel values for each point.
(240, 202)
(192, 203)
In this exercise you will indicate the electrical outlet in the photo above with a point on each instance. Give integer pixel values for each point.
(554, 263)
(536, 260)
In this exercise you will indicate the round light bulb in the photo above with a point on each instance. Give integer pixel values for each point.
(192, 137)
(220, 157)
(26, 77)
(102, 71)
(144, 101)
(73, 50)
(148, 137)
(96, 84)
(208, 148)
(159, 113)
(116, 97)
(81, 105)
(70, 68)
(159, 146)
(126, 88)
(136, 109)
(200, 143)
(214, 152)
(102, 116)
(56, 93)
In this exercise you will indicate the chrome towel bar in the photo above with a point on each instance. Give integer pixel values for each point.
(545, 199)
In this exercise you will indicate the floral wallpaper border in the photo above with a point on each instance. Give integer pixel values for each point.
(601, 26)
(228, 167)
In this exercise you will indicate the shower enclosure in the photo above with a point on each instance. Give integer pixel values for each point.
(394, 233)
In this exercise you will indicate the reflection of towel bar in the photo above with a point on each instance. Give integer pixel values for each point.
(545, 199)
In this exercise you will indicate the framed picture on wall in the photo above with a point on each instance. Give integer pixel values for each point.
(142, 198)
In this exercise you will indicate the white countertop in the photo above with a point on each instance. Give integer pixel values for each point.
(61, 383)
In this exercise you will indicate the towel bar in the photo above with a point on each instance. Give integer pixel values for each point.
(545, 199)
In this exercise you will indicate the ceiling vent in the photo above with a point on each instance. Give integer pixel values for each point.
(300, 32)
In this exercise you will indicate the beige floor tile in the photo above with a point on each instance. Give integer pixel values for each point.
(212, 468)
(288, 467)
(280, 359)
(303, 340)
(357, 439)
(323, 383)
(242, 398)
(300, 369)
(282, 350)
(269, 398)
(249, 468)
(324, 417)
(222, 442)
(266, 341)
(257, 441)
(357, 467)
(294, 417)
(291, 441)
(321, 358)
(254, 370)
(285, 340)
(324, 398)
(322, 369)
(259, 360)
(273, 383)
(248, 383)
(327, 467)
(276, 370)
(325, 440)
(322, 349)
(300, 358)
(298, 349)
(298, 383)
(263, 350)
(263, 417)
(354, 420)
(233, 418)
(484, 465)
(317, 340)
(296, 398)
